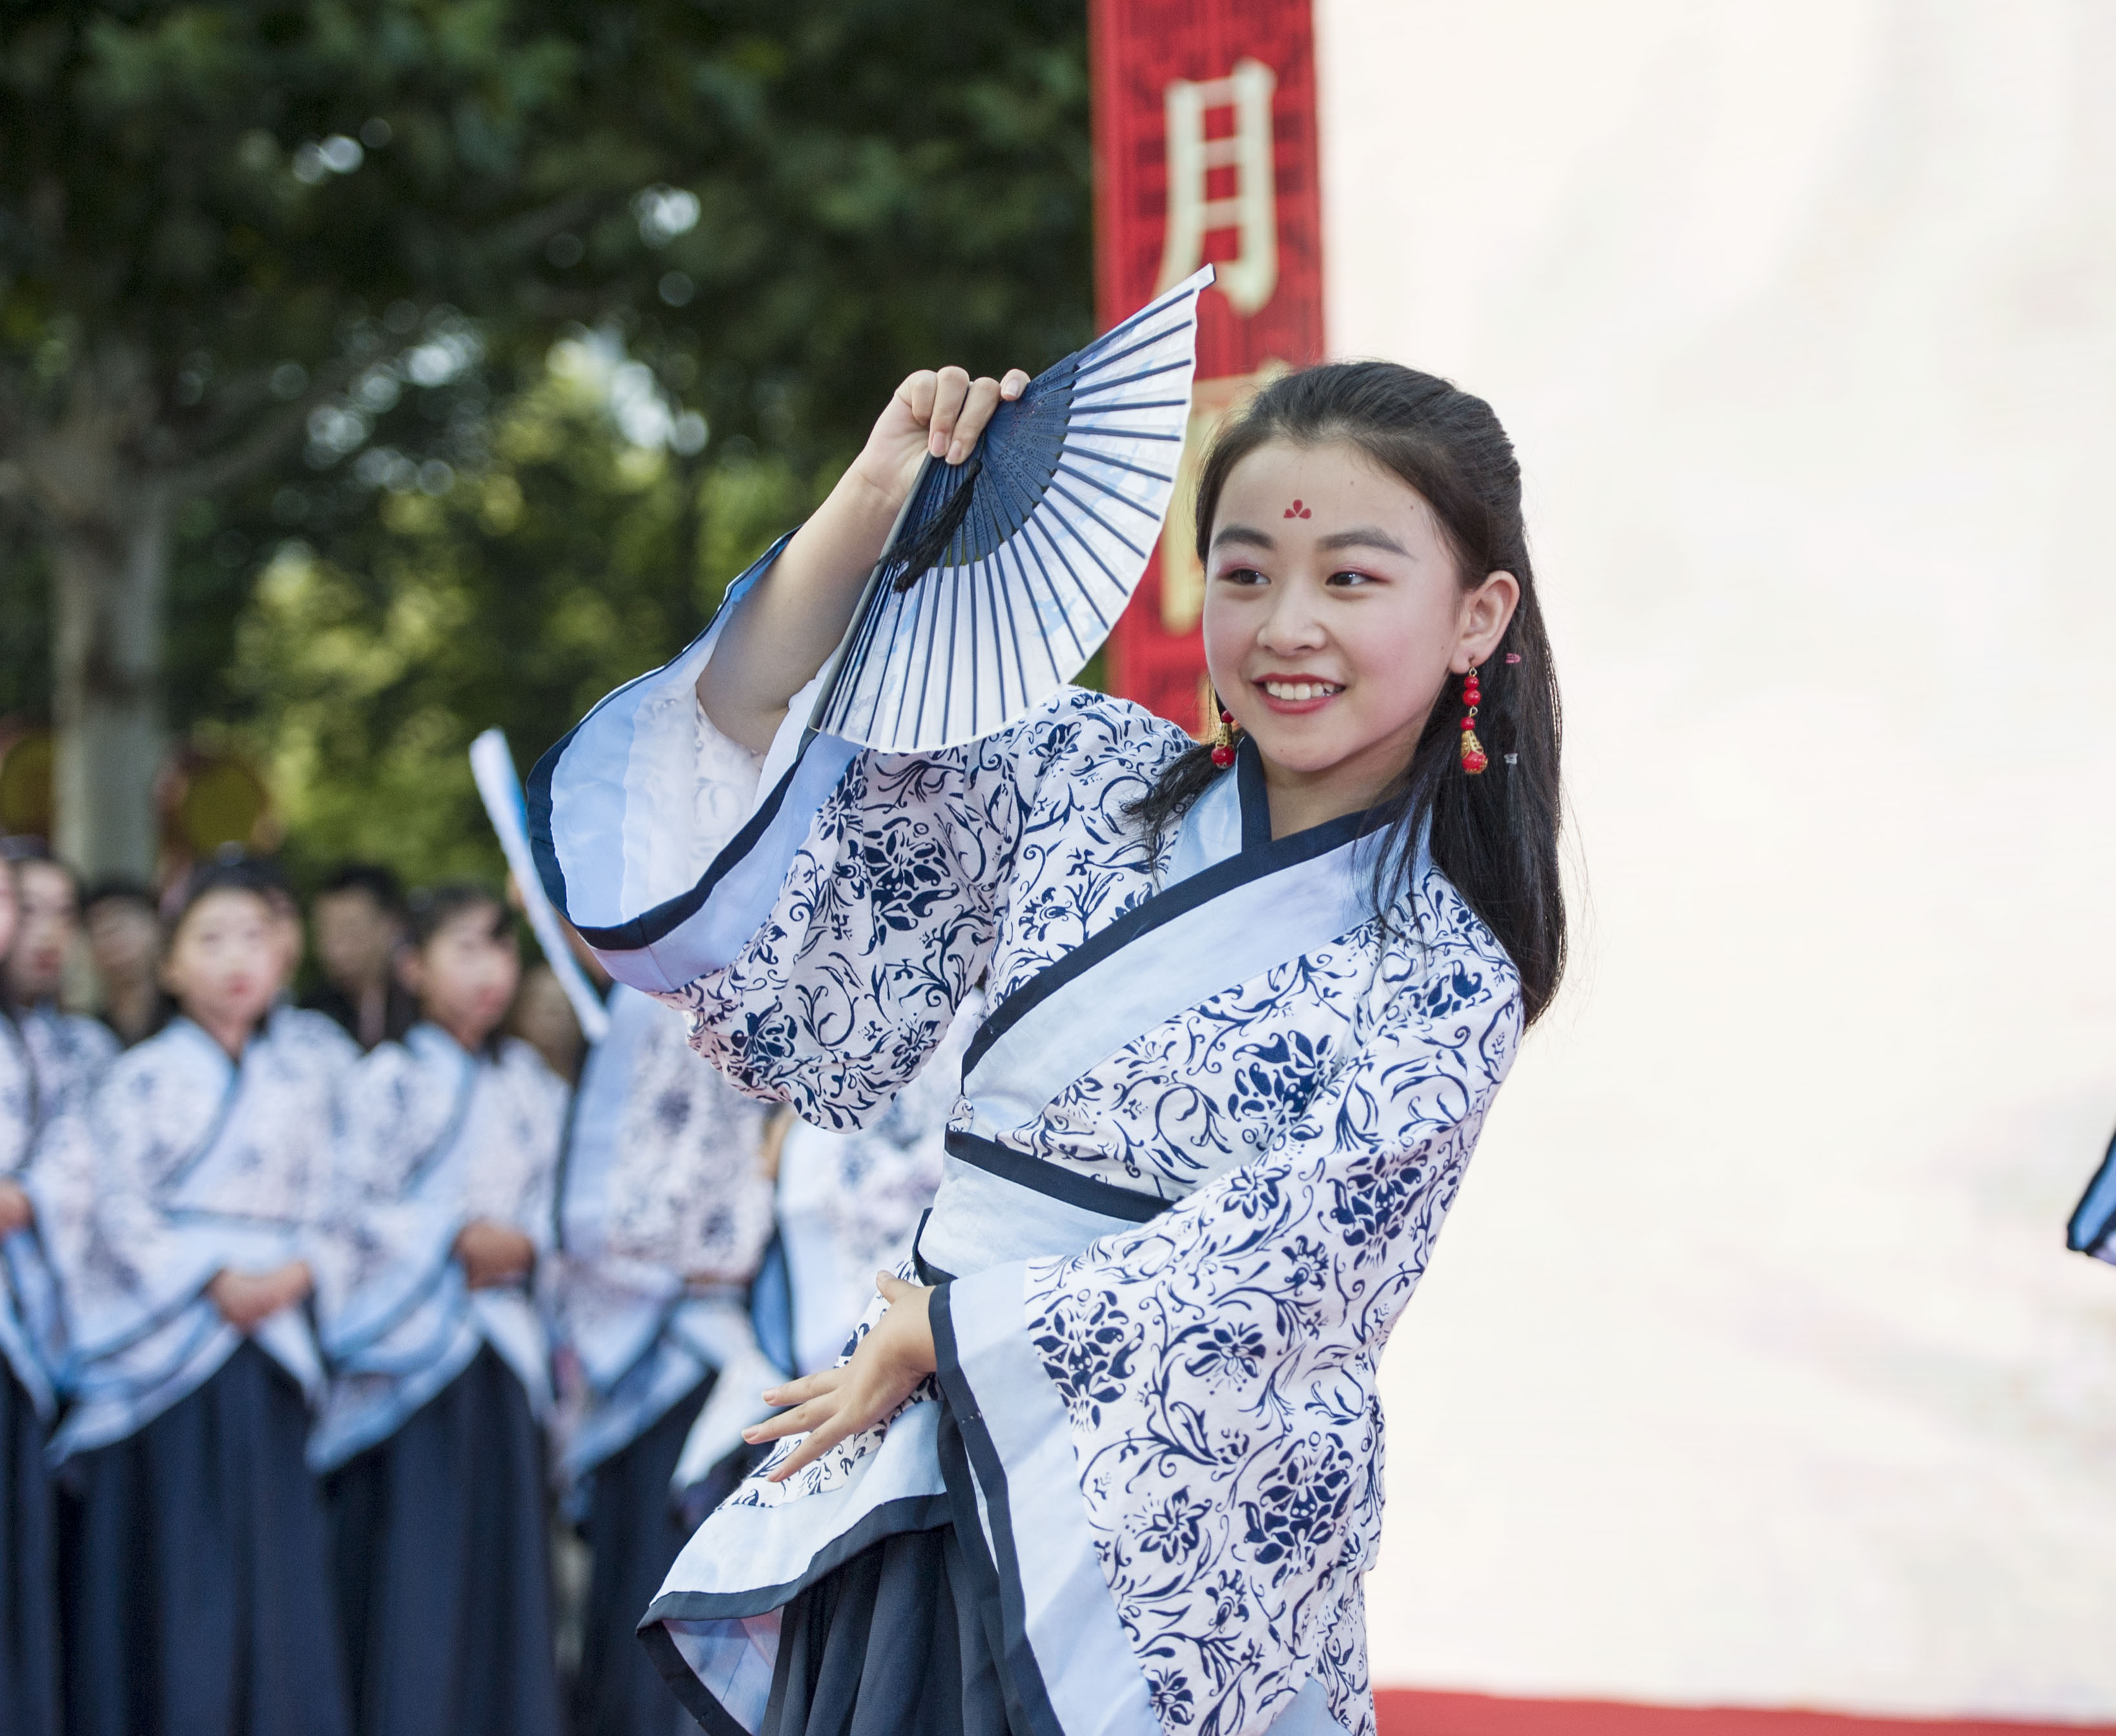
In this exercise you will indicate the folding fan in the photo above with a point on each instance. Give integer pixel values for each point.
(492, 768)
(1005, 572)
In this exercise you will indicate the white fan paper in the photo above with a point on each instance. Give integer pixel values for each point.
(986, 605)
(493, 767)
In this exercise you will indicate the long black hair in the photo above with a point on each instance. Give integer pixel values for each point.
(1494, 836)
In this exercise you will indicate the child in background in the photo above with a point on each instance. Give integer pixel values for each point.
(431, 1439)
(181, 1202)
(319, 1038)
(849, 1203)
(124, 944)
(71, 1052)
(360, 924)
(664, 1209)
(28, 1592)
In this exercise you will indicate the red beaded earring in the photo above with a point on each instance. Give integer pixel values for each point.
(1473, 751)
(1223, 743)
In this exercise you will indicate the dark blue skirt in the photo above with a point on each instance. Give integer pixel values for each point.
(442, 1542)
(29, 1588)
(194, 1578)
(902, 1639)
(633, 1532)
(893, 1644)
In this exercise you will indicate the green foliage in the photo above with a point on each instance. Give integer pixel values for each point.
(517, 596)
(238, 186)
(318, 254)
(25, 628)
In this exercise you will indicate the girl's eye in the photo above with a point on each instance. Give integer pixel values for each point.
(1243, 575)
(1346, 580)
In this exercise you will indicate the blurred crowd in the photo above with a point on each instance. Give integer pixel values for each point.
(368, 1352)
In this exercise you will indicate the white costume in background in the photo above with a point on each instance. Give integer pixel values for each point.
(433, 1136)
(849, 1203)
(181, 1162)
(663, 1213)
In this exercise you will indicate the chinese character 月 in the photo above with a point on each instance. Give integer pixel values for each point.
(1248, 279)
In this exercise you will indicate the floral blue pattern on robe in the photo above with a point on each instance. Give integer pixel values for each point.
(849, 1203)
(1217, 1365)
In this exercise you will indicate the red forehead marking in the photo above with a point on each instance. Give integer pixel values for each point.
(1298, 511)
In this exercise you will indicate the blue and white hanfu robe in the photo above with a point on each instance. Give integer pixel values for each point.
(432, 1436)
(46, 1060)
(1208, 1133)
(849, 1203)
(433, 1137)
(318, 1036)
(69, 1051)
(50, 1061)
(54, 1059)
(665, 1211)
(182, 1163)
(194, 1566)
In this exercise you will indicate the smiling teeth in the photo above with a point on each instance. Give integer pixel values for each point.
(1298, 691)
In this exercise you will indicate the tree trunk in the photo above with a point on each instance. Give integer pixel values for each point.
(109, 521)
(110, 573)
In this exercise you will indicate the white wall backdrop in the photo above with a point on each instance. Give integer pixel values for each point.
(1752, 1368)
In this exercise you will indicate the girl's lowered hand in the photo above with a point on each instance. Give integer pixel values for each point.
(838, 1403)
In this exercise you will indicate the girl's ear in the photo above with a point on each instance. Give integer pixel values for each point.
(1486, 613)
(410, 971)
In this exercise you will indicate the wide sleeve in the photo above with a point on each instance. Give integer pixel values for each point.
(388, 1233)
(1177, 1430)
(128, 1267)
(687, 1192)
(513, 1178)
(819, 917)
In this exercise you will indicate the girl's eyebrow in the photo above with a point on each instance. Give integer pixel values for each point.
(1363, 536)
(1248, 534)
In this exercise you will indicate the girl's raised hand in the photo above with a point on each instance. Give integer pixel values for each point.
(838, 1403)
(939, 412)
(785, 629)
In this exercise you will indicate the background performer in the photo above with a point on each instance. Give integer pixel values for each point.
(184, 1208)
(432, 1437)
(29, 1585)
(664, 1212)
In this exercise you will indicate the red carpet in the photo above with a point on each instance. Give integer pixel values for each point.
(1407, 1712)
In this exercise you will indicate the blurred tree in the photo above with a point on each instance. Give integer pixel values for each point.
(264, 268)
(569, 560)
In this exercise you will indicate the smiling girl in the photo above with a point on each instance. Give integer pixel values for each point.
(1113, 1464)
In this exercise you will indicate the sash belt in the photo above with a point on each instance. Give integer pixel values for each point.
(1053, 1181)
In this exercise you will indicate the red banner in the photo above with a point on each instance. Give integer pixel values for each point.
(1204, 153)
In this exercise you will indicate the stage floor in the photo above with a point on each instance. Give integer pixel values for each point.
(1404, 1712)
